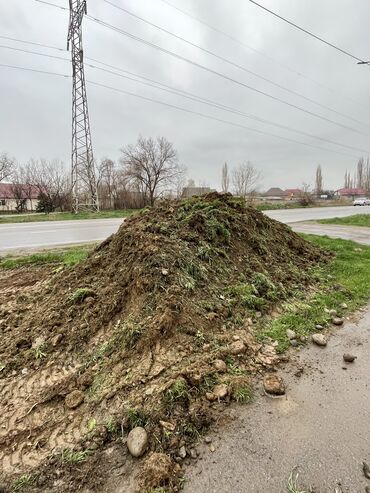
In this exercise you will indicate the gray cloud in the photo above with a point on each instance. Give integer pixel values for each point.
(35, 109)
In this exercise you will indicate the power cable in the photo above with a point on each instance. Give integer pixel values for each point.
(347, 53)
(230, 62)
(219, 74)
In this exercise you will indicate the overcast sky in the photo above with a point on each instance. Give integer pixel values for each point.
(35, 109)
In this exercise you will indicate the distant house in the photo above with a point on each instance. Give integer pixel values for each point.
(273, 193)
(292, 194)
(350, 193)
(18, 197)
(192, 191)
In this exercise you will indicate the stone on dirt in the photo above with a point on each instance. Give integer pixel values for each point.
(274, 384)
(338, 321)
(182, 452)
(137, 441)
(294, 342)
(291, 334)
(220, 365)
(220, 391)
(319, 327)
(237, 347)
(349, 358)
(74, 399)
(319, 339)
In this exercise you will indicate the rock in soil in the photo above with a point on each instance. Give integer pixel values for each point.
(349, 358)
(274, 384)
(182, 452)
(74, 399)
(319, 339)
(220, 391)
(294, 342)
(319, 327)
(208, 439)
(291, 334)
(338, 321)
(220, 365)
(237, 347)
(137, 441)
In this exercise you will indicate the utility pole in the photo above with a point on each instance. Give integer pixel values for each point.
(84, 186)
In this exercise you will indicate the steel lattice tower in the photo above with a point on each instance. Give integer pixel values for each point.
(84, 187)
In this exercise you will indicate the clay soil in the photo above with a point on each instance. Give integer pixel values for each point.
(137, 331)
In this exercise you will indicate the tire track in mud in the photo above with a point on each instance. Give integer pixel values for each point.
(34, 420)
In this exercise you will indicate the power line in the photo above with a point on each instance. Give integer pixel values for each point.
(308, 32)
(35, 70)
(51, 4)
(33, 43)
(230, 62)
(219, 74)
(203, 115)
(33, 53)
(215, 104)
(213, 118)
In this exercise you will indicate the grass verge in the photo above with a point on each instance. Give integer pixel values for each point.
(65, 216)
(67, 257)
(346, 279)
(356, 220)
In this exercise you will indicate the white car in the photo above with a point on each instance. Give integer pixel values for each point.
(361, 201)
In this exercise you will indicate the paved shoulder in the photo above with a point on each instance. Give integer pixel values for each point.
(354, 233)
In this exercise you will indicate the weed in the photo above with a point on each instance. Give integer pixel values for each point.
(80, 295)
(200, 339)
(208, 382)
(112, 426)
(233, 368)
(187, 429)
(177, 392)
(137, 417)
(70, 456)
(158, 490)
(40, 352)
(293, 484)
(22, 482)
(243, 394)
(91, 425)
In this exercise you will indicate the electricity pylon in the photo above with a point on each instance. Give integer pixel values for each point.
(84, 187)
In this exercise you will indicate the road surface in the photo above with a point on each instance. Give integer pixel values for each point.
(321, 427)
(24, 236)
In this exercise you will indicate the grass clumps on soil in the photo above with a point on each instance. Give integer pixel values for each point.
(344, 280)
(21, 483)
(355, 220)
(145, 317)
(65, 216)
(68, 258)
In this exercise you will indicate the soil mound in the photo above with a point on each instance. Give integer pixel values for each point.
(155, 329)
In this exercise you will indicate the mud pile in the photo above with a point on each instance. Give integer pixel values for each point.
(156, 328)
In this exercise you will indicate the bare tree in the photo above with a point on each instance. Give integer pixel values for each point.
(150, 166)
(52, 182)
(225, 179)
(245, 178)
(318, 182)
(360, 174)
(107, 181)
(7, 166)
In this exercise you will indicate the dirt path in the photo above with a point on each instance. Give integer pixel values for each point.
(321, 427)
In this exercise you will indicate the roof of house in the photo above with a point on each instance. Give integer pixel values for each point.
(351, 191)
(191, 191)
(274, 192)
(8, 191)
(292, 191)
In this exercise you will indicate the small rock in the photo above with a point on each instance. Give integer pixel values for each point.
(74, 399)
(258, 314)
(291, 334)
(167, 425)
(193, 454)
(182, 452)
(344, 305)
(212, 448)
(294, 342)
(208, 439)
(349, 358)
(165, 272)
(237, 347)
(274, 384)
(24, 371)
(319, 339)
(56, 339)
(39, 341)
(333, 312)
(319, 327)
(220, 391)
(137, 441)
(338, 321)
(220, 365)
(236, 338)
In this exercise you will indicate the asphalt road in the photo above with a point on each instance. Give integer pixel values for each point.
(319, 429)
(25, 236)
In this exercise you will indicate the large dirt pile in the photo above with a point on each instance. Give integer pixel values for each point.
(155, 328)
